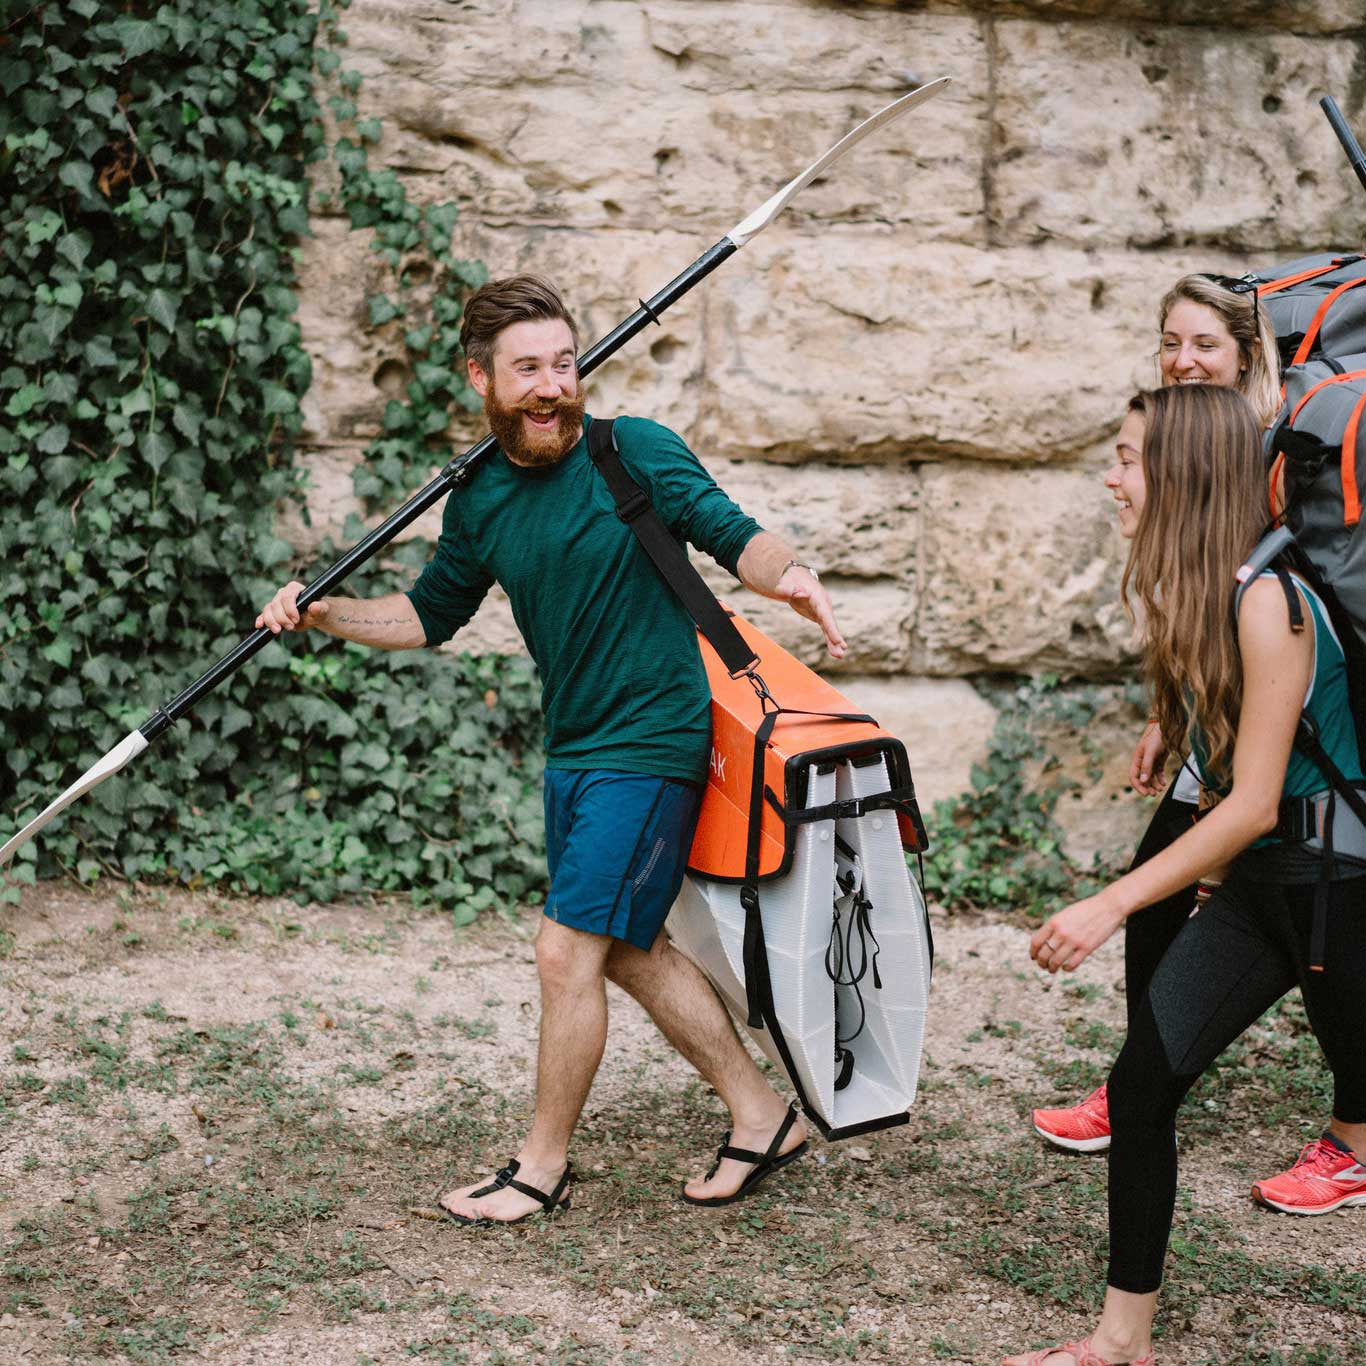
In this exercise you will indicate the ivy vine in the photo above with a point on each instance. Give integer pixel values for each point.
(154, 165)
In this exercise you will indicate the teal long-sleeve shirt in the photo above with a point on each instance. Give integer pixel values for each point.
(622, 682)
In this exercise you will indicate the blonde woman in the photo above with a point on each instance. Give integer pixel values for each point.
(1189, 482)
(1212, 332)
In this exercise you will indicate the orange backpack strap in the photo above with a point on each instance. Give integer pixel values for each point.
(1287, 281)
(1311, 333)
(1351, 503)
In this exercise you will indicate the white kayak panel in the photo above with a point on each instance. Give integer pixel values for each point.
(707, 923)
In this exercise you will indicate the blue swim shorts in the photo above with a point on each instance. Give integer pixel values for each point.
(617, 845)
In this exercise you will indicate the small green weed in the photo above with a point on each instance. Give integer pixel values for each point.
(998, 847)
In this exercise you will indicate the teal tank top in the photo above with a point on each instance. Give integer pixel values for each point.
(1326, 703)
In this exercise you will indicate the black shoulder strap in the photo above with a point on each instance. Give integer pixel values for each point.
(1339, 785)
(1308, 743)
(634, 508)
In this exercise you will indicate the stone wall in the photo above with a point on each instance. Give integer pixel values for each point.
(916, 371)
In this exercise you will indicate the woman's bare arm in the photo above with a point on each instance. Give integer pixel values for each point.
(1277, 665)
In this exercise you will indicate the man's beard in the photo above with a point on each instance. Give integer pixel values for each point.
(525, 445)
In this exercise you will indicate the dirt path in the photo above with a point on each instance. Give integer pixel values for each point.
(218, 1118)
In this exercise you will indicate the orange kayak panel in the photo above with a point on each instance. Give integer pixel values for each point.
(718, 849)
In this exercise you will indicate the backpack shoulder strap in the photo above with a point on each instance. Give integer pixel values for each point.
(1274, 544)
(669, 558)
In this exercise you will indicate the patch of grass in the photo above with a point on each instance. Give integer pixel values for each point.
(1095, 1035)
(471, 1029)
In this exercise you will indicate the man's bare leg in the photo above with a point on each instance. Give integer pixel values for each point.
(573, 1033)
(680, 1000)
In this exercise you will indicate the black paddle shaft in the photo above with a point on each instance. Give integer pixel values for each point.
(1345, 136)
(459, 471)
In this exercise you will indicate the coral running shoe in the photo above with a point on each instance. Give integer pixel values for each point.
(1083, 1128)
(1326, 1177)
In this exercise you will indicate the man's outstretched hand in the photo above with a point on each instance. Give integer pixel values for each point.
(802, 591)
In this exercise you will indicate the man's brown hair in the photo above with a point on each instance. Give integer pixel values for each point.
(499, 304)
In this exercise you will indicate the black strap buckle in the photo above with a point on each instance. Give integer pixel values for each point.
(757, 683)
(749, 897)
(1298, 820)
(632, 506)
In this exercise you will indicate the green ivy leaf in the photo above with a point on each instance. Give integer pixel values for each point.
(162, 308)
(42, 227)
(137, 36)
(54, 439)
(51, 323)
(278, 400)
(157, 448)
(78, 176)
(382, 309)
(58, 652)
(24, 401)
(102, 102)
(61, 388)
(135, 401)
(187, 418)
(99, 354)
(75, 248)
(39, 107)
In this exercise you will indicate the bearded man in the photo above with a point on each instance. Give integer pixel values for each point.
(627, 716)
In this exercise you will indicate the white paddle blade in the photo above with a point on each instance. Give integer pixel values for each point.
(770, 209)
(127, 748)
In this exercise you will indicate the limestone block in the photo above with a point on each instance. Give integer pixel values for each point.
(859, 529)
(1107, 135)
(945, 725)
(652, 115)
(876, 618)
(1290, 16)
(356, 369)
(850, 345)
(859, 345)
(1019, 570)
(847, 522)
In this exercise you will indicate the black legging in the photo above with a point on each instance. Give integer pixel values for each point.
(1245, 949)
(1148, 933)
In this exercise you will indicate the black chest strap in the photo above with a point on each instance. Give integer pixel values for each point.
(669, 558)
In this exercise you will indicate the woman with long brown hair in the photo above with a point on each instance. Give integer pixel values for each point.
(1211, 332)
(1190, 487)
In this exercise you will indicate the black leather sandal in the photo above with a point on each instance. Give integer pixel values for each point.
(765, 1163)
(506, 1178)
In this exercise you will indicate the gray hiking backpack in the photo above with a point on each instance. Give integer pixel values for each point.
(1317, 305)
(1318, 476)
